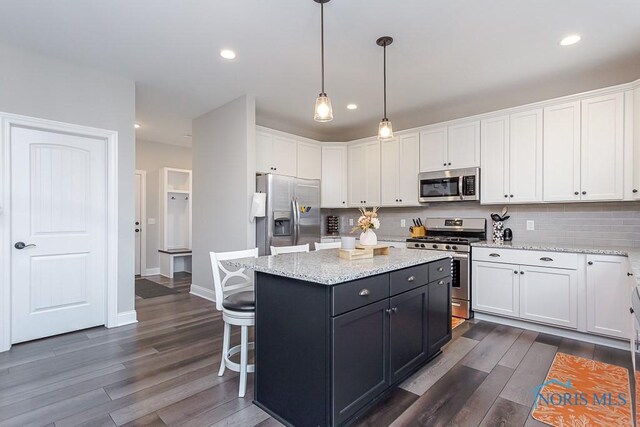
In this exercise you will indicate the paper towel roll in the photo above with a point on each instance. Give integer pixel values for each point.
(258, 205)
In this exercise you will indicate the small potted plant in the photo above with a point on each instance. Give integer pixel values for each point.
(368, 222)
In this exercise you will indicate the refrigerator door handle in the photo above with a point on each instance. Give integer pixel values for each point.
(294, 207)
(297, 224)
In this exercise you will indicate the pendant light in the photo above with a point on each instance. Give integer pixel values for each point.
(323, 111)
(385, 130)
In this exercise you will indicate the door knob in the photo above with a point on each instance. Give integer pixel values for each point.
(21, 245)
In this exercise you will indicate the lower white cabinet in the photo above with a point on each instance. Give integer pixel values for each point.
(496, 288)
(608, 296)
(549, 295)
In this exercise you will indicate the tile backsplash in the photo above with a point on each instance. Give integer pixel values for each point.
(614, 224)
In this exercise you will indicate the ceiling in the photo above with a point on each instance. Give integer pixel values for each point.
(449, 59)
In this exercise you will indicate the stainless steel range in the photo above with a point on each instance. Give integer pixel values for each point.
(455, 235)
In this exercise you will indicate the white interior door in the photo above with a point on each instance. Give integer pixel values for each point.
(58, 205)
(138, 219)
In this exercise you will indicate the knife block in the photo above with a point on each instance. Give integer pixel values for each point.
(420, 231)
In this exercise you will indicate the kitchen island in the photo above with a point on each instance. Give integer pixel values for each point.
(333, 335)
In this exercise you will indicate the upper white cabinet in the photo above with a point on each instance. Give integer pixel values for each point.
(635, 186)
(512, 158)
(276, 154)
(450, 147)
(364, 173)
(334, 176)
(400, 164)
(309, 164)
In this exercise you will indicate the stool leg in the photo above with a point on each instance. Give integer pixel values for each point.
(226, 338)
(244, 342)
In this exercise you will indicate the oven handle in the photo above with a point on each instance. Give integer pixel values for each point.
(461, 256)
(461, 186)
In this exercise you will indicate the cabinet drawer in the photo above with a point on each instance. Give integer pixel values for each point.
(439, 269)
(359, 293)
(409, 278)
(527, 257)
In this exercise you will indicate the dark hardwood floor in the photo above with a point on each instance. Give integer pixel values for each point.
(163, 371)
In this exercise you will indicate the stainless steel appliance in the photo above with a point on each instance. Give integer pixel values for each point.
(454, 235)
(449, 186)
(292, 214)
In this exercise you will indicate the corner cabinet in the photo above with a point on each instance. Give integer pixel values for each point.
(334, 176)
(400, 164)
(635, 186)
(450, 147)
(309, 161)
(364, 173)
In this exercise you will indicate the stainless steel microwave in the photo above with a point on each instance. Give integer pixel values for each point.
(449, 186)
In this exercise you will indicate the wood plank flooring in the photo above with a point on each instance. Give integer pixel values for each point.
(162, 371)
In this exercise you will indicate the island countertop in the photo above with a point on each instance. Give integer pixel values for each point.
(327, 268)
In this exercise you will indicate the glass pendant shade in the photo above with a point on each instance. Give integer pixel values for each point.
(324, 112)
(385, 130)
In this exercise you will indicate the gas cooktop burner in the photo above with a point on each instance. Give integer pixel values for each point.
(444, 239)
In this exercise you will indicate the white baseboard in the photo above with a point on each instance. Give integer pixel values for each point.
(201, 292)
(127, 318)
(565, 333)
(151, 272)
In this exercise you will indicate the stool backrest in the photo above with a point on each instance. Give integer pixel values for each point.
(323, 246)
(277, 250)
(240, 280)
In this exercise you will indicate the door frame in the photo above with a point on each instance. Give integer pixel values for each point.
(143, 221)
(7, 121)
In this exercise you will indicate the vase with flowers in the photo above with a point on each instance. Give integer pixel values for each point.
(367, 223)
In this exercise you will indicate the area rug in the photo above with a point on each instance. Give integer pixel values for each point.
(580, 392)
(148, 289)
(456, 321)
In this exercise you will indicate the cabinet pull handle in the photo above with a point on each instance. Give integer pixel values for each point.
(440, 269)
(590, 263)
(455, 304)
(629, 274)
(364, 292)
(387, 310)
(546, 258)
(394, 310)
(494, 255)
(635, 190)
(441, 282)
(410, 279)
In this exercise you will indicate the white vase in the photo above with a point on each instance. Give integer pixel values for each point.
(368, 238)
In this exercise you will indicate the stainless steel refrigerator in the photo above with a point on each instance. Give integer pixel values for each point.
(292, 214)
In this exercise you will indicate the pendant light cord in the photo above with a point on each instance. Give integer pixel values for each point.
(384, 73)
(322, 41)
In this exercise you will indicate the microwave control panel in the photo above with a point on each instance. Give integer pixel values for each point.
(469, 185)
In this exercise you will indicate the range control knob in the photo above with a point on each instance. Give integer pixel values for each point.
(422, 245)
(435, 246)
(447, 247)
(455, 248)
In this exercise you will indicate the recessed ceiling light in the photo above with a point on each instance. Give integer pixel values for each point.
(228, 54)
(569, 40)
(136, 125)
(352, 107)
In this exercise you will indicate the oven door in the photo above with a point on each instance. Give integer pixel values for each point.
(439, 188)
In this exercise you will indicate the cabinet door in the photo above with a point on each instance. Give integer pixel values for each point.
(357, 175)
(608, 296)
(309, 163)
(360, 358)
(549, 295)
(264, 148)
(439, 314)
(496, 288)
(525, 157)
(408, 332)
(433, 149)
(562, 153)
(390, 168)
(463, 147)
(372, 176)
(636, 144)
(334, 177)
(602, 148)
(494, 170)
(284, 155)
(409, 169)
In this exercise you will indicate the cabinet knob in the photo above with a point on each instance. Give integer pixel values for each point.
(634, 190)
(364, 292)
(444, 164)
(400, 200)
(388, 311)
(522, 272)
(410, 279)
(510, 195)
(590, 263)
(440, 269)
(629, 274)
(505, 196)
(449, 163)
(515, 272)
(343, 202)
(584, 192)
(441, 282)
(577, 193)
(394, 310)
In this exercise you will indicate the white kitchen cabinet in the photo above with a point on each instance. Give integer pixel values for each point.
(399, 169)
(494, 181)
(309, 162)
(562, 152)
(549, 295)
(602, 162)
(608, 295)
(364, 173)
(525, 157)
(450, 147)
(635, 187)
(276, 154)
(334, 177)
(496, 288)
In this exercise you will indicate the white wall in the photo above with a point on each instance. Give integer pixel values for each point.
(223, 182)
(43, 87)
(150, 157)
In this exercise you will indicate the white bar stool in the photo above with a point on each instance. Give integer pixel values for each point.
(236, 300)
(277, 250)
(332, 245)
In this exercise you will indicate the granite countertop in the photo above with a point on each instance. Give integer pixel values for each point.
(632, 253)
(327, 268)
(356, 235)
